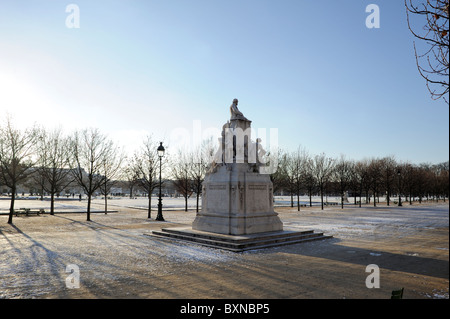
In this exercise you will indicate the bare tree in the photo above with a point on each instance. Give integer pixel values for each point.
(16, 150)
(110, 169)
(388, 174)
(362, 177)
(88, 149)
(296, 171)
(409, 179)
(433, 64)
(424, 177)
(376, 182)
(309, 181)
(342, 176)
(201, 158)
(181, 174)
(443, 179)
(289, 176)
(354, 183)
(279, 177)
(322, 168)
(53, 173)
(439, 180)
(37, 180)
(146, 168)
(131, 175)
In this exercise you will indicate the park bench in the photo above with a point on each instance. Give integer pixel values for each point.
(28, 211)
(331, 204)
(397, 294)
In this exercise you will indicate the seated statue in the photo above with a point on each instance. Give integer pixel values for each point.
(235, 113)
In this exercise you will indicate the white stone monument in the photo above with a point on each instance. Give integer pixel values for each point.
(236, 198)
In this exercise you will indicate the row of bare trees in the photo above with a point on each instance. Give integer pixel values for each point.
(185, 170)
(300, 173)
(87, 159)
(188, 169)
(95, 164)
(54, 161)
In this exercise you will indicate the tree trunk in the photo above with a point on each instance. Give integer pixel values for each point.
(298, 202)
(11, 207)
(186, 203)
(89, 208)
(52, 203)
(198, 198)
(321, 195)
(149, 205)
(310, 198)
(106, 204)
(360, 196)
(387, 198)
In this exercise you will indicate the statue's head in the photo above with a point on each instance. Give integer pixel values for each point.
(235, 101)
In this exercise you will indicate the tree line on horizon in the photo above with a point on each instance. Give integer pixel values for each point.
(300, 173)
(53, 161)
(50, 161)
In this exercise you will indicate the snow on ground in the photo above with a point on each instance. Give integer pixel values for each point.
(33, 263)
(35, 251)
(74, 204)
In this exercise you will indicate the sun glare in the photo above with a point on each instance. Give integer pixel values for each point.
(24, 102)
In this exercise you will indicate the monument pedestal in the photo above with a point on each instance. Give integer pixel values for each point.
(236, 201)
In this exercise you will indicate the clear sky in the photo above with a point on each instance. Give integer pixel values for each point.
(311, 69)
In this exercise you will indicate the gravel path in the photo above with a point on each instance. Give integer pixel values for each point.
(116, 258)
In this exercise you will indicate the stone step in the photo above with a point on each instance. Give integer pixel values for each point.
(242, 242)
(238, 244)
(237, 238)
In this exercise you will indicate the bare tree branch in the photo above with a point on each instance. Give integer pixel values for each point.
(432, 65)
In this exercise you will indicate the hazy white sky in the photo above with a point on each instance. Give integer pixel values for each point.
(313, 70)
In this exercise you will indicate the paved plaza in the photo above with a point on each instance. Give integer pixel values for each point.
(116, 258)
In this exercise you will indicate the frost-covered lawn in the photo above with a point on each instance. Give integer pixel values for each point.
(169, 203)
(117, 258)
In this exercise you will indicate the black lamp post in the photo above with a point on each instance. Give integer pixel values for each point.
(160, 154)
(399, 188)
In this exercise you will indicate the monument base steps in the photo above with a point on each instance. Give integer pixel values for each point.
(239, 243)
